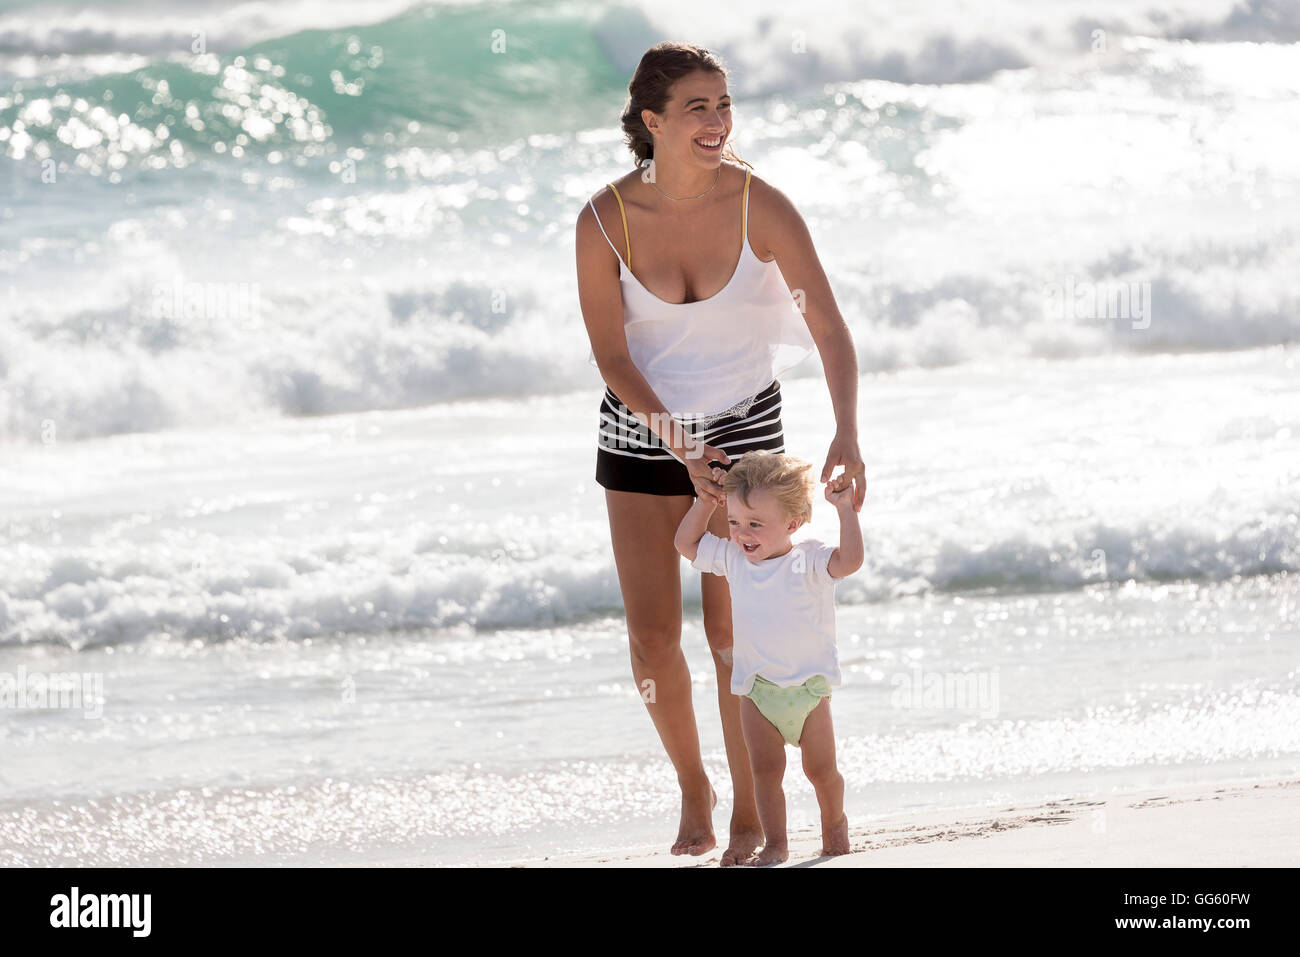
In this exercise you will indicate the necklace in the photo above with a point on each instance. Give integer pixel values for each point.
(696, 196)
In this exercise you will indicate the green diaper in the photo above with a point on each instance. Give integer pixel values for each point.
(788, 708)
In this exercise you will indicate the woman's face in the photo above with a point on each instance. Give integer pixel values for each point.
(700, 110)
(762, 529)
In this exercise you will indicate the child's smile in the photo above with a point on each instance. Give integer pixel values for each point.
(762, 529)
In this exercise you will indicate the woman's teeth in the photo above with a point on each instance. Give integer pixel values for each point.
(713, 144)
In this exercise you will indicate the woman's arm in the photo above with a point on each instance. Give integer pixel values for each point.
(785, 235)
(600, 297)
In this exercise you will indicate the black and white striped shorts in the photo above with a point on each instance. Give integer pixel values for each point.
(631, 458)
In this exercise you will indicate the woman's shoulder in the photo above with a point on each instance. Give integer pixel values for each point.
(603, 200)
(765, 194)
(771, 215)
(622, 183)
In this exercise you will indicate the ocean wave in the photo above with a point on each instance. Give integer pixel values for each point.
(349, 81)
(1144, 208)
(338, 74)
(103, 359)
(477, 578)
(157, 30)
(778, 48)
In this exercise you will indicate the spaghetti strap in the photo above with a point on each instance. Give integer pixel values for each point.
(602, 227)
(626, 236)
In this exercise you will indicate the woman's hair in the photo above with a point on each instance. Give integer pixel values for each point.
(651, 89)
(786, 478)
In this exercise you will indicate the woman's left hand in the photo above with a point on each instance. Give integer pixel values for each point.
(844, 451)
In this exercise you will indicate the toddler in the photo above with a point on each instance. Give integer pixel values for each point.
(784, 662)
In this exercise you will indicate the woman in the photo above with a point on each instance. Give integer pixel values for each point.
(689, 346)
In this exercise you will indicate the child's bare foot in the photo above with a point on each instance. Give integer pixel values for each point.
(695, 834)
(769, 855)
(741, 847)
(835, 839)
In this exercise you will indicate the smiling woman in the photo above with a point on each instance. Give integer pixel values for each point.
(690, 346)
(703, 113)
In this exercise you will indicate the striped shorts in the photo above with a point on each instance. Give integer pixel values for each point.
(631, 458)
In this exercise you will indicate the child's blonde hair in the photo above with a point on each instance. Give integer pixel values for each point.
(786, 478)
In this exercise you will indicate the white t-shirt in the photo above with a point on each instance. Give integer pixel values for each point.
(782, 611)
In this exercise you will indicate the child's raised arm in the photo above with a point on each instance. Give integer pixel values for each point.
(694, 524)
(846, 559)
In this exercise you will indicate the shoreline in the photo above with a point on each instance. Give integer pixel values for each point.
(1204, 825)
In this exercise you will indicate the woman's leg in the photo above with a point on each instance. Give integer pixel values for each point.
(642, 528)
(746, 833)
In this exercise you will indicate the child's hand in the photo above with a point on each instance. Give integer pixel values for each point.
(717, 475)
(839, 490)
(706, 501)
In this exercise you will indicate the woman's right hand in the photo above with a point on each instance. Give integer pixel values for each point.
(705, 477)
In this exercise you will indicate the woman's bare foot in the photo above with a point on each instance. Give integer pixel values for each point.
(769, 855)
(835, 839)
(695, 835)
(741, 846)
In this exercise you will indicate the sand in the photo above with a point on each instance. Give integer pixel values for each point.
(1241, 825)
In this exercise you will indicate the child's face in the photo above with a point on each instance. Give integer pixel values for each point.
(763, 525)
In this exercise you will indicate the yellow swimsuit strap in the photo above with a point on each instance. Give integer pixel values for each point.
(626, 236)
(744, 214)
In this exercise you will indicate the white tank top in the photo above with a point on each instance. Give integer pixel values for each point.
(703, 357)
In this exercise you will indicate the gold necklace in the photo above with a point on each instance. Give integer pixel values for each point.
(676, 198)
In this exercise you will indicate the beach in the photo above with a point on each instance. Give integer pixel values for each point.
(1241, 825)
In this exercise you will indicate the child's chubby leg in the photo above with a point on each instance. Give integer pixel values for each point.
(818, 746)
(767, 762)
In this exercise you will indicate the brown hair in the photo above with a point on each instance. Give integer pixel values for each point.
(651, 88)
(788, 479)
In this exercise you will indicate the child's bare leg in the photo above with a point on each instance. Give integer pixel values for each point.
(818, 746)
(767, 761)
